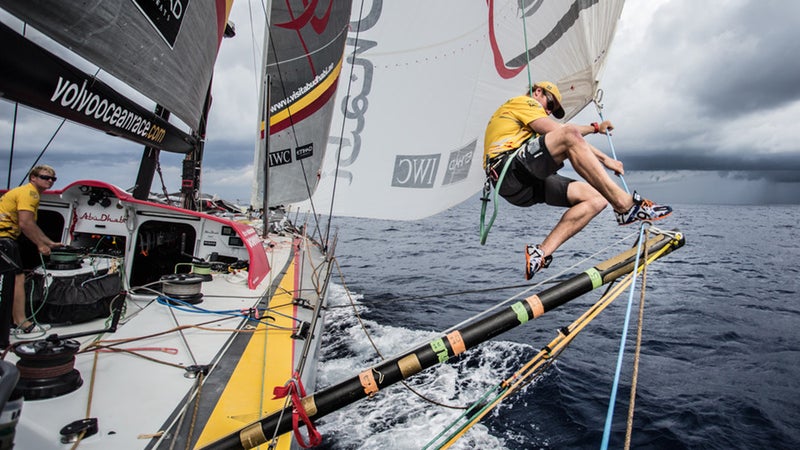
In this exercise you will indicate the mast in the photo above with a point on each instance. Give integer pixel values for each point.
(389, 372)
(260, 185)
(264, 150)
(147, 166)
(193, 162)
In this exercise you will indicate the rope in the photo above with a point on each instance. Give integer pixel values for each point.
(485, 199)
(534, 368)
(484, 232)
(615, 385)
(527, 53)
(294, 389)
(375, 346)
(637, 353)
(539, 363)
(599, 106)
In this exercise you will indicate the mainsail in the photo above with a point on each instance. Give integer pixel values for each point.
(303, 64)
(424, 79)
(164, 50)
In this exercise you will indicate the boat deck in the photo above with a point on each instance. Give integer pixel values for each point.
(135, 381)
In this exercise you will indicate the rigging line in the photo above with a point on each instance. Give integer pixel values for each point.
(13, 139)
(450, 294)
(52, 138)
(375, 346)
(598, 97)
(256, 68)
(615, 385)
(183, 336)
(537, 365)
(532, 287)
(344, 120)
(318, 306)
(527, 52)
(294, 133)
(14, 131)
(637, 353)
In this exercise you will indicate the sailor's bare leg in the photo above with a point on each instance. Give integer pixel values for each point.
(567, 143)
(587, 203)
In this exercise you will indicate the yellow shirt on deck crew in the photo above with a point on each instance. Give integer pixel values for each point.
(23, 198)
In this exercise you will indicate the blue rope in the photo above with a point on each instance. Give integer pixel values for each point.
(613, 399)
(181, 305)
(599, 107)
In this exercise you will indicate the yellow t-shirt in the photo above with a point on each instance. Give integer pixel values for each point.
(23, 198)
(508, 127)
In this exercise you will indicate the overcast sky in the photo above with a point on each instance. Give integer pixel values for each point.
(705, 97)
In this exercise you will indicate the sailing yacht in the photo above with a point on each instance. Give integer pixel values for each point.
(170, 321)
(199, 310)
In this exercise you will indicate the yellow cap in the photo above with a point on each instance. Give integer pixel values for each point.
(558, 111)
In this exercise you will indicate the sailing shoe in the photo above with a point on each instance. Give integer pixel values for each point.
(642, 210)
(535, 260)
(37, 329)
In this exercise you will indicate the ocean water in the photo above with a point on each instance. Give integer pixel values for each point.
(720, 357)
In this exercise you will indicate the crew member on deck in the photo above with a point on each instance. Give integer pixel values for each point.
(532, 175)
(18, 212)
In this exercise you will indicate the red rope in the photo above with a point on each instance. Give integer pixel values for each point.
(294, 388)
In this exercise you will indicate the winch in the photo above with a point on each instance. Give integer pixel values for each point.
(183, 286)
(47, 368)
(65, 258)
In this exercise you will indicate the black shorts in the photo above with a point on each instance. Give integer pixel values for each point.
(532, 177)
(10, 259)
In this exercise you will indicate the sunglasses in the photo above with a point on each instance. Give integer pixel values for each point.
(551, 103)
(47, 178)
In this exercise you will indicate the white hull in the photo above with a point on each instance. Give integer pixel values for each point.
(149, 403)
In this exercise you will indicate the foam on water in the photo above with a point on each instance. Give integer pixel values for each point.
(396, 417)
(719, 356)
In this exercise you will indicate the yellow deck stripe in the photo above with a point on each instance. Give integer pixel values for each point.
(267, 364)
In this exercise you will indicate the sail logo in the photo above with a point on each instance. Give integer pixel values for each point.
(280, 157)
(165, 16)
(304, 151)
(415, 171)
(459, 163)
(78, 98)
(102, 218)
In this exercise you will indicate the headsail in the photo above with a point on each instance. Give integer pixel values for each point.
(426, 78)
(164, 50)
(304, 63)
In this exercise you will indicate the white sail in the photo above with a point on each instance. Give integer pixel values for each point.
(304, 61)
(425, 78)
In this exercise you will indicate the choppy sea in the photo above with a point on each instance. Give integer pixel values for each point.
(720, 354)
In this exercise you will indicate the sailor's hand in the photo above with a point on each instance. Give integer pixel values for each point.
(614, 165)
(605, 127)
(45, 249)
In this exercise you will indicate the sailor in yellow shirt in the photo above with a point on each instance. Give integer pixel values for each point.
(524, 123)
(18, 211)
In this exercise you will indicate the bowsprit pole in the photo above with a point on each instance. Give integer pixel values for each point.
(371, 380)
(598, 97)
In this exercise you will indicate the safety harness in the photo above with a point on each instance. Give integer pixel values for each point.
(494, 179)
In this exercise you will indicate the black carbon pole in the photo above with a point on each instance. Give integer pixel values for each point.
(368, 382)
